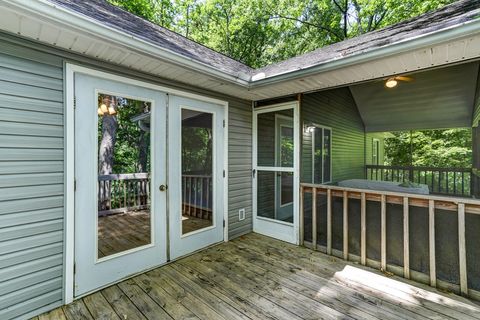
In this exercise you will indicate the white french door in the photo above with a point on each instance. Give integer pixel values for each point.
(196, 174)
(276, 180)
(120, 166)
(130, 140)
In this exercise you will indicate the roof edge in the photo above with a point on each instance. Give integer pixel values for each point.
(90, 27)
(425, 40)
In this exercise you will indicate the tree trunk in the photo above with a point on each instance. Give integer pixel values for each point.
(106, 153)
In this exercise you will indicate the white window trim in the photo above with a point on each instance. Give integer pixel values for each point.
(376, 142)
(319, 126)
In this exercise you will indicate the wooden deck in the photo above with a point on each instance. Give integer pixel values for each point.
(124, 231)
(255, 277)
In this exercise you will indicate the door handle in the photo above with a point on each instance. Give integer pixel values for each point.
(163, 187)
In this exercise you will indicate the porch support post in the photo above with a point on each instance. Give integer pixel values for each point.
(475, 178)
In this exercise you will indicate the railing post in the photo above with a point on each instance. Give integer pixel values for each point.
(345, 225)
(462, 250)
(329, 221)
(431, 241)
(383, 233)
(302, 216)
(314, 218)
(406, 239)
(363, 236)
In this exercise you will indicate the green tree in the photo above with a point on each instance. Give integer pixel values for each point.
(432, 148)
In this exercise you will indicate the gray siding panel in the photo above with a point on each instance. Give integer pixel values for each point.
(32, 173)
(31, 181)
(336, 109)
(240, 167)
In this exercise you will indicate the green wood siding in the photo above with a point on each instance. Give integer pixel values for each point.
(335, 109)
(31, 181)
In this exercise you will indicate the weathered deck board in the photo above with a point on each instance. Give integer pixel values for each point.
(255, 277)
(124, 231)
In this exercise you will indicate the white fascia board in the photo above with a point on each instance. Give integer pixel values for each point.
(81, 24)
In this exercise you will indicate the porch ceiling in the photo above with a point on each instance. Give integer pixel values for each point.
(441, 98)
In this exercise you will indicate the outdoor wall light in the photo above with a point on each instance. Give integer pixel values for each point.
(391, 83)
(308, 128)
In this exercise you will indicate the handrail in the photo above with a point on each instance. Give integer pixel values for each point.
(460, 205)
(446, 180)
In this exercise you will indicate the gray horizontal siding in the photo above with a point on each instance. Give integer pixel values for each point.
(31, 181)
(239, 168)
(336, 109)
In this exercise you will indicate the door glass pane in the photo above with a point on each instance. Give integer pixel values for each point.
(286, 146)
(275, 195)
(275, 139)
(327, 147)
(124, 220)
(197, 170)
(317, 155)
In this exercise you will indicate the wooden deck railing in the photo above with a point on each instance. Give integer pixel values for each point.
(119, 193)
(458, 206)
(444, 181)
(197, 196)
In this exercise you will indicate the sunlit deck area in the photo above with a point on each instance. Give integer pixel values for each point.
(255, 277)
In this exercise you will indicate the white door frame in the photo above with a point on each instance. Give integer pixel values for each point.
(69, 159)
(259, 223)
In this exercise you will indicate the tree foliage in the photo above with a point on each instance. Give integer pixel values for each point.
(431, 148)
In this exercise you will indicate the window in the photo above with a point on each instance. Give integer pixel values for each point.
(321, 154)
(375, 152)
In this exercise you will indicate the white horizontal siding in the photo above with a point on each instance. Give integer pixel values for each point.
(31, 181)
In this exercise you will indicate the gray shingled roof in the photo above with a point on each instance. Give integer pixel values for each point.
(457, 13)
(119, 19)
(453, 14)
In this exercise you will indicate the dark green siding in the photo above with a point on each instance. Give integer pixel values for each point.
(335, 109)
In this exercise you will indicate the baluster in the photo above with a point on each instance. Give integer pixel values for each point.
(314, 219)
(125, 185)
(184, 194)
(345, 225)
(431, 241)
(462, 250)
(208, 197)
(190, 196)
(383, 218)
(439, 181)
(454, 182)
(139, 194)
(446, 182)
(463, 183)
(202, 212)
(406, 239)
(433, 180)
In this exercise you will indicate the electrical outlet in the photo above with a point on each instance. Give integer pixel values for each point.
(241, 214)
